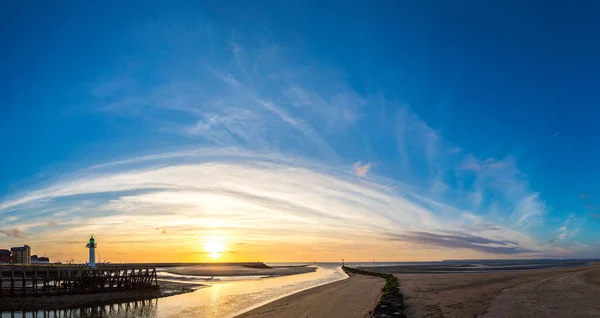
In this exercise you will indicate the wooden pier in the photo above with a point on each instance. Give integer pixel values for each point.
(73, 279)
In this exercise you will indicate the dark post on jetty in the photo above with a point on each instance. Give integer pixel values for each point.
(73, 279)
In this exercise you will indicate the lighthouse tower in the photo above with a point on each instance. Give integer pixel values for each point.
(92, 246)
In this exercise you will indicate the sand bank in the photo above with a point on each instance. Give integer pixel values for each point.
(565, 292)
(355, 296)
(230, 270)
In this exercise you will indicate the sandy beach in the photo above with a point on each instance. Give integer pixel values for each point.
(355, 296)
(564, 292)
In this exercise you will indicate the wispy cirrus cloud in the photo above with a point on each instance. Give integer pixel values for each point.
(567, 230)
(238, 196)
(13, 232)
(491, 187)
(474, 164)
(247, 96)
(463, 241)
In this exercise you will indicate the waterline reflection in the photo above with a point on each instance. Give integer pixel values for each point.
(227, 299)
(134, 309)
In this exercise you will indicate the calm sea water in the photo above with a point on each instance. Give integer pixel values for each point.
(223, 298)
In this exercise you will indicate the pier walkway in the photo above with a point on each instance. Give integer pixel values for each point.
(73, 279)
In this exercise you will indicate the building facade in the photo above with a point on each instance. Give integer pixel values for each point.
(39, 260)
(21, 255)
(5, 256)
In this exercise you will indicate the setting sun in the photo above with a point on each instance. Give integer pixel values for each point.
(214, 246)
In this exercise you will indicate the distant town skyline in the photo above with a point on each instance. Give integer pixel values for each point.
(21, 255)
(287, 131)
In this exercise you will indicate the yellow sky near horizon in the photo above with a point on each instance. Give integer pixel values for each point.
(187, 249)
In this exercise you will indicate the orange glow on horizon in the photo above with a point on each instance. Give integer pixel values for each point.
(229, 247)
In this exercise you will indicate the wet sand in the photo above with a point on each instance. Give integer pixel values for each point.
(563, 292)
(355, 296)
(168, 288)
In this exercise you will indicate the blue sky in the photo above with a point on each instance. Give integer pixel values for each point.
(468, 129)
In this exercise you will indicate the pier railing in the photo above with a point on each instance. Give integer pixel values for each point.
(56, 280)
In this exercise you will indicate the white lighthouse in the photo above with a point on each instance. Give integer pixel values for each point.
(92, 246)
